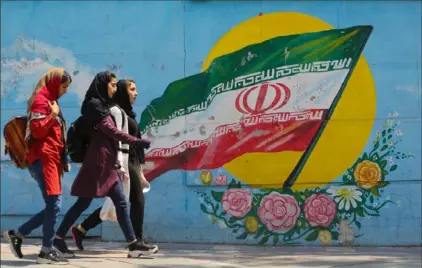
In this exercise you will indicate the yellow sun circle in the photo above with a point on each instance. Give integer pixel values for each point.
(345, 135)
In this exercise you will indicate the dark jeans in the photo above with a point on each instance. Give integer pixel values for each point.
(117, 196)
(137, 205)
(46, 217)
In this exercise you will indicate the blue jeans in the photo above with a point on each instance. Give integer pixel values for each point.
(46, 217)
(122, 212)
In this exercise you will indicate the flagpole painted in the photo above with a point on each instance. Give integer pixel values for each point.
(291, 179)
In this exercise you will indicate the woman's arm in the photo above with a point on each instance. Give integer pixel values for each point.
(40, 127)
(107, 127)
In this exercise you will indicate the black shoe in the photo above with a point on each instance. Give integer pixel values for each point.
(51, 258)
(62, 248)
(14, 242)
(152, 247)
(138, 249)
(78, 237)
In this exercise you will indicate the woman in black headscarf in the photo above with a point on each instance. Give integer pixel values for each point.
(125, 97)
(98, 176)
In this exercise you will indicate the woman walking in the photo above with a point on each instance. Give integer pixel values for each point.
(125, 97)
(47, 160)
(98, 176)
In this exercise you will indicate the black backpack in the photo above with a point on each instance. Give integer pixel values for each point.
(79, 137)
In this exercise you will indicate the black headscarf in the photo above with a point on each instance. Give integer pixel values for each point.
(96, 105)
(121, 98)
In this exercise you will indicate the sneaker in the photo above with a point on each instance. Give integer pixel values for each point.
(139, 249)
(14, 242)
(152, 247)
(78, 237)
(62, 248)
(51, 258)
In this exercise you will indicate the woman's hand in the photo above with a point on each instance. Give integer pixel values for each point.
(67, 168)
(54, 108)
(142, 143)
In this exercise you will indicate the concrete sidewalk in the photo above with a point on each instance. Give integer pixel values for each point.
(112, 254)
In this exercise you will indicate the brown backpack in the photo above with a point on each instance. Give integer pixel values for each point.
(16, 146)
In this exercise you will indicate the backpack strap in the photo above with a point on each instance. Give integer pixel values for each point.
(123, 117)
(126, 151)
(114, 119)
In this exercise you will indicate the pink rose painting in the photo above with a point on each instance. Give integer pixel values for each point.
(278, 215)
(279, 212)
(221, 180)
(320, 210)
(237, 202)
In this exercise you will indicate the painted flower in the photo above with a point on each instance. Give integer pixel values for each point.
(251, 225)
(367, 174)
(346, 197)
(390, 122)
(221, 180)
(399, 132)
(395, 114)
(278, 212)
(390, 143)
(320, 210)
(325, 237)
(206, 177)
(237, 202)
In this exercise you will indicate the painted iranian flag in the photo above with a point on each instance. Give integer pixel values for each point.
(268, 97)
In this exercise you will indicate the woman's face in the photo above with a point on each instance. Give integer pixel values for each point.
(131, 91)
(63, 88)
(112, 87)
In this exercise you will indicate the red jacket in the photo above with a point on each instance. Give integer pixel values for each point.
(46, 142)
(47, 146)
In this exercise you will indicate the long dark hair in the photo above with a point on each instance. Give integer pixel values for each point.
(96, 105)
(121, 97)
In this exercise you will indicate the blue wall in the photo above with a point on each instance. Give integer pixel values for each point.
(158, 42)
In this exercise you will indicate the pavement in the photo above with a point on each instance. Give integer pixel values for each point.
(174, 255)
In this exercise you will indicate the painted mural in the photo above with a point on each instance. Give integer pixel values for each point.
(280, 123)
(272, 97)
(330, 213)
